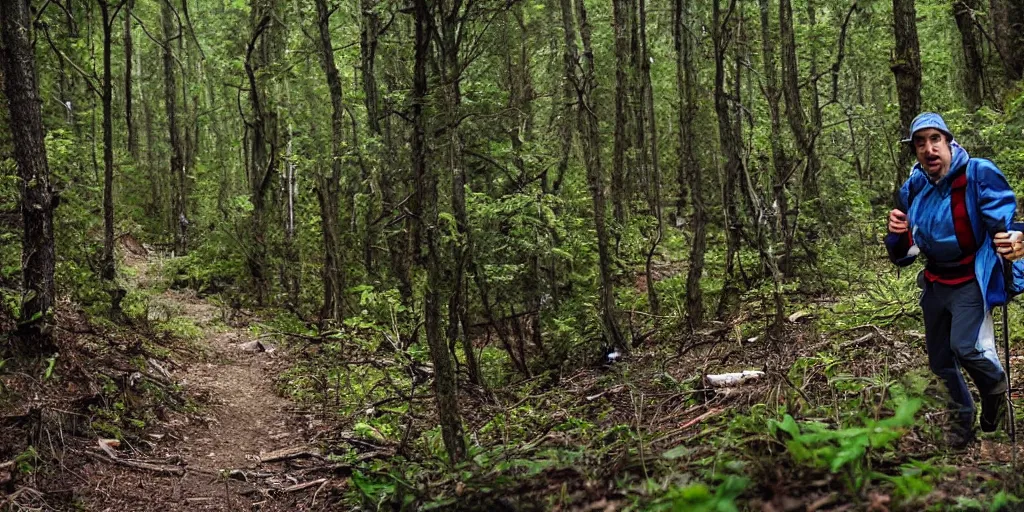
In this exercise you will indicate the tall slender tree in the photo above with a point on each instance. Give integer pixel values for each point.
(690, 175)
(179, 220)
(973, 75)
(730, 142)
(445, 384)
(906, 67)
(329, 186)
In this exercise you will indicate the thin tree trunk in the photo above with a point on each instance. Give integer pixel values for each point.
(445, 384)
(780, 174)
(730, 142)
(590, 138)
(37, 198)
(107, 269)
(690, 174)
(1008, 31)
(652, 165)
(623, 141)
(329, 186)
(179, 217)
(262, 141)
(129, 48)
(963, 12)
(906, 67)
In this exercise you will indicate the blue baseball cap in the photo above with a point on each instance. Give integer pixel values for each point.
(927, 120)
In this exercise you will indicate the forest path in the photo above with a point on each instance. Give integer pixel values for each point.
(234, 451)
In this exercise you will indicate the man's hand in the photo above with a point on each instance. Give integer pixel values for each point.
(897, 222)
(1010, 245)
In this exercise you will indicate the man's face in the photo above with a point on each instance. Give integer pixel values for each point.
(933, 152)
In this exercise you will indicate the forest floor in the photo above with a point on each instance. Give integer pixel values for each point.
(187, 410)
(234, 454)
(221, 438)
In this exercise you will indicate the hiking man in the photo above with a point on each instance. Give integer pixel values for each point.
(956, 210)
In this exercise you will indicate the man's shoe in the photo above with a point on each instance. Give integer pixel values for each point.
(960, 439)
(993, 407)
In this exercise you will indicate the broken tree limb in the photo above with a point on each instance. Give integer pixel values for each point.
(304, 485)
(157, 468)
(288, 454)
(701, 418)
(728, 380)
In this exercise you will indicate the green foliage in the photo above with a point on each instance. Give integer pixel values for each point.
(844, 449)
(699, 498)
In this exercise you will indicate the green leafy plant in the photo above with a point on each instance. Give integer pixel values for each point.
(844, 450)
(699, 498)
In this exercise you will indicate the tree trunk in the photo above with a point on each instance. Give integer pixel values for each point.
(262, 137)
(690, 175)
(179, 217)
(450, 66)
(37, 198)
(107, 269)
(780, 160)
(129, 48)
(590, 139)
(445, 384)
(649, 146)
(623, 141)
(780, 174)
(906, 67)
(794, 105)
(1008, 31)
(963, 12)
(730, 142)
(328, 187)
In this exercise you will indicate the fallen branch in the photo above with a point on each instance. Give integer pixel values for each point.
(701, 418)
(157, 468)
(6, 465)
(288, 454)
(728, 380)
(859, 341)
(304, 485)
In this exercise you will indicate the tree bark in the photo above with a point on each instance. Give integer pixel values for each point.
(730, 142)
(450, 65)
(963, 12)
(906, 67)
(107, 268)
(37, 198)
(445, 384)
(129, 52)
(262, 140)
(649, 146)
(328, 188)
(780, 174)
(690, 174)
(623, 139)
(179, 216)
(794, 105)
(590, 139)
(1008, 31)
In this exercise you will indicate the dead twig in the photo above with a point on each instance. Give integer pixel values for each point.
(157, 468)
(305, 485)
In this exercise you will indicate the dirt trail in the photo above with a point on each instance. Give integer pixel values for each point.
(221, 448)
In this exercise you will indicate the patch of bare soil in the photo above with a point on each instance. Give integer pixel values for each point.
(245, 449)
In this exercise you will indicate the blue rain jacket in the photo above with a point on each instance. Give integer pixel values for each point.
(991, 206)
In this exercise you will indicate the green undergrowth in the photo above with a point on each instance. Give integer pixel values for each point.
(836, 420)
